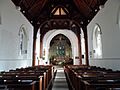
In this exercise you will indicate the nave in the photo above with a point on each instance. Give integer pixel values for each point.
(34, 78)
(60, 82)
(69, 77)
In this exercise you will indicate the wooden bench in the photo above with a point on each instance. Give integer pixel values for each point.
(41, 75)
(82, 77)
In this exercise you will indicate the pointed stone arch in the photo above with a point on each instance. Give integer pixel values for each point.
(69, 34)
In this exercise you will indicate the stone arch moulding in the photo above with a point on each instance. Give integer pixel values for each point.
(69, 34)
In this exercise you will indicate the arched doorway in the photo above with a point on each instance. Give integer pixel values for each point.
(60, 51)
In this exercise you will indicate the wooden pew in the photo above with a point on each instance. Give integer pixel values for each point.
(38, 77)
(101, 85)
(82, 78)
(11, 82)
(43, 75)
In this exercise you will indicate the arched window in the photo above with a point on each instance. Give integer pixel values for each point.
(23, 40)
(0, 19)
(119, 17)
(97, 42)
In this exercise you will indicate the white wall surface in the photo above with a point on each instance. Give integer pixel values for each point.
(107, 18)
(11, 21)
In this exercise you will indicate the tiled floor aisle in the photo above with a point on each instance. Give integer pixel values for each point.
(60, 82)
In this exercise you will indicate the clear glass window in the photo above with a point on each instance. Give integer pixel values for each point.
(97, 42)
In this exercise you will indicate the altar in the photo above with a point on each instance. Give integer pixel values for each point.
(62, 60)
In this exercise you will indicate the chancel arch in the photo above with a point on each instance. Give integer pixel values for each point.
(69, 34)
(60, 51)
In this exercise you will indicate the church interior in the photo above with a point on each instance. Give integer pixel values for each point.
(59, 44)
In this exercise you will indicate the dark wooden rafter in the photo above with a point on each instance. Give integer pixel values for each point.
(91, 3)
(96, 8)
(60, 6)
(101, 2)
(71, 12)
(55, 8)
(17, 2)
(59, 24)
(28, 3)
(26, 13)
(37, 6)
(83, 7)
(39, 10)
(43, 15)
(20, 1)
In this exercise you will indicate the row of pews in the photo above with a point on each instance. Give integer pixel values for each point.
(92, 78)
(30, 78)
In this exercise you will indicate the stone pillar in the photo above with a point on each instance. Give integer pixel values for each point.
(34, 44)
(86, 44)
(79, 47)
(34, 49)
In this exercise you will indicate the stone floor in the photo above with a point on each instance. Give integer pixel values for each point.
(60, 82)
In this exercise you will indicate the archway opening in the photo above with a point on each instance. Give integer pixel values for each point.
(60, 51)
(67, 33)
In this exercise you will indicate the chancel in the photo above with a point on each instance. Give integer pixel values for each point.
(59, 44)
(60, 51)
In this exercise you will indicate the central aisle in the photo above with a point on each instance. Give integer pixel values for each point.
(60, 82)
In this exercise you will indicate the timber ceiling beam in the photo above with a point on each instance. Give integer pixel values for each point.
(37, 6)
(83, 7)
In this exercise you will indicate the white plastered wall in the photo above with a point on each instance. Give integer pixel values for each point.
(108, 19)
(11, 21)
